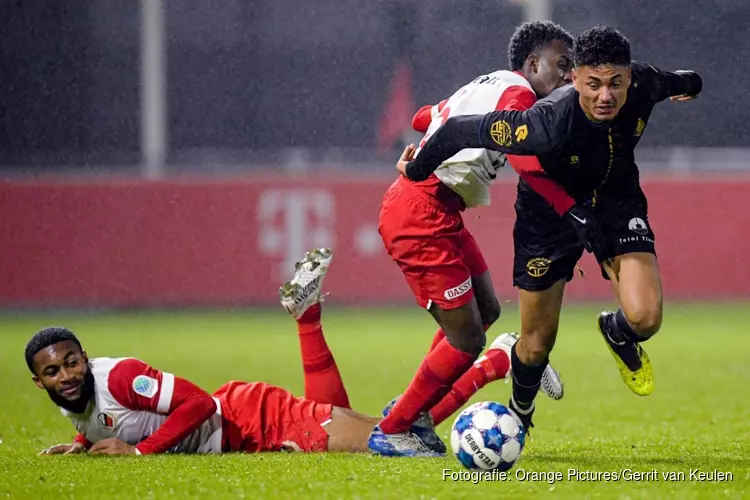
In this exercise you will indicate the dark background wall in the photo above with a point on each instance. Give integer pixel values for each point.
(251, 74)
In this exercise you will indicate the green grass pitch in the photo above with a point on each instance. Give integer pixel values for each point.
(697, 417)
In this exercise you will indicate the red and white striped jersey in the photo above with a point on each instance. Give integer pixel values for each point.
(470, 172)
(133, 400)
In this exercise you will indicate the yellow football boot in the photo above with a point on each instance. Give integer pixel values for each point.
(632, 360)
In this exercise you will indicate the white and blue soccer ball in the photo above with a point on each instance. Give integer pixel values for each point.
(486, 436)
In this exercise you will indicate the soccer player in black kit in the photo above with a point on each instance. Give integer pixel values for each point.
(584, 136)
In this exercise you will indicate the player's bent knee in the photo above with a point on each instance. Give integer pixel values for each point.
(536, 345)
(490, 312)
(646, 321)
(471, 343)
(479, 341)
(484, 292)
(463, 327)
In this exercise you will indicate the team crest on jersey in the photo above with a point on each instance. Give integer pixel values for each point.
(522, 133)
(500, 133)
(145, 386)
(105, 420)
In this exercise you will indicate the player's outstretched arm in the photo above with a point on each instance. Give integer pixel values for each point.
(680, 85)
(512, 132)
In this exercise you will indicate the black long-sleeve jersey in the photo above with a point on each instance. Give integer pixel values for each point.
(588, 159)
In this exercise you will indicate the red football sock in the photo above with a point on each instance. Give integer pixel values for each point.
(323, 382)
(442, 366)
(439, 335)
(492, 366)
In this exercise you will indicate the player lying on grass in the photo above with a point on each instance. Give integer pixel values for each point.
(122, 406)
(585, 136)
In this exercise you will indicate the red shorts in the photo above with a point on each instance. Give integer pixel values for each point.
(260, 417)
(423, 232)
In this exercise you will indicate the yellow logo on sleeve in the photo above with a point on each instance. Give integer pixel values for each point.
(522, 133)
(639, 127)
(500, 133)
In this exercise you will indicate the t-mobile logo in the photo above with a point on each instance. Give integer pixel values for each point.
(292, 221)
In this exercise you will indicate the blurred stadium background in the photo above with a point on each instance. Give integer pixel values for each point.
(165, 153)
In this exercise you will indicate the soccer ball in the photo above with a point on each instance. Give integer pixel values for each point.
(486, 436)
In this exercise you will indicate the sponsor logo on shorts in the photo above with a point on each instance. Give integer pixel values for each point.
(638, 226)
(459, 290)
(575, 160)
(582, 221)
(635, 239)
(538, 266)
(500, 133)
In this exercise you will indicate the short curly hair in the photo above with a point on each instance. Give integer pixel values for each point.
(601, 45)
(45, 338)
(531, 37)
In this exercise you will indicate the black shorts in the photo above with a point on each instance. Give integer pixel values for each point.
(546, 246)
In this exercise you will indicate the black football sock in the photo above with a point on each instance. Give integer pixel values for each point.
(620, 327)
(526, 380)
(621, 340)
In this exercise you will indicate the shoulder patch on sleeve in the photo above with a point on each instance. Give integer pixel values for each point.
(145, 386)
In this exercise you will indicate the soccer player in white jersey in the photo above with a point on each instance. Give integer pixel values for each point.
(122, 406)
(125, 406)
(423, 232)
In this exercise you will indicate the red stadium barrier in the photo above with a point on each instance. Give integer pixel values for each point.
(198, 242)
